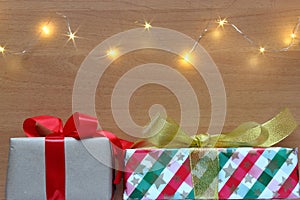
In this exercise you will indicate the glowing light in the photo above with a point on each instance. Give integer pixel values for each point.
(293, 35)
(46, 30)
(222, 22)
(147, 26)
(2, 49)
(187, 57)
(72, 36)
(112, 53)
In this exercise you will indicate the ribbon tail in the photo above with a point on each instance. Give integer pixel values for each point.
(118, 177)
(258, 135)
(118, 147)
(279, 127)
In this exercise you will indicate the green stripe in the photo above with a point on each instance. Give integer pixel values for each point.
(191, 195)
(151, 176)
(136, 194)
(278, 160)
(153, 173)
(265, 178)
(224, 157)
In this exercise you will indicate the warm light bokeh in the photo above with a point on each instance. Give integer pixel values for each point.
(112, 53)
(2, 49)
(46, 29)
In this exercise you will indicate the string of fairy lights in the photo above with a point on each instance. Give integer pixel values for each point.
(45, 30)
(221, 23)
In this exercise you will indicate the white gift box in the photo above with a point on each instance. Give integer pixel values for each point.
(88, 175)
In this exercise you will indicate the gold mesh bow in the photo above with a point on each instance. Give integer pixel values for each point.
(165, 133)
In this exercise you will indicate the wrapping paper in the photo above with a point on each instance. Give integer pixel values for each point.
(212, 173)
(86, 177)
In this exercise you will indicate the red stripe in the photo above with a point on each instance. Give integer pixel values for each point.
(289, 185)
(239, 173)
(55, 168)
(136, 158)
(172, 186)
(134, 161)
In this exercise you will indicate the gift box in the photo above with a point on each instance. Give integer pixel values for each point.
(86, 175)
(71, 161)
(212, 173)
(168, 163)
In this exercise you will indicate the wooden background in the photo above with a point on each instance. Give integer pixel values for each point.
(41, 82)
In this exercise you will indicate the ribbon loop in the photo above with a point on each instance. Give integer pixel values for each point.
(81, 126)
(41, 126)
(78, 126)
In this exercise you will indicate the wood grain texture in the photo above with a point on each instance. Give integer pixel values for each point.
(41, 82)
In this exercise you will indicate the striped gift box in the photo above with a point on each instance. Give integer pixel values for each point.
(211, 173)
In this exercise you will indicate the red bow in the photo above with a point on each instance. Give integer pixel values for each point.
(79, 126)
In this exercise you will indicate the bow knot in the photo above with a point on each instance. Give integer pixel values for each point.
(201, 140)
(78, 126)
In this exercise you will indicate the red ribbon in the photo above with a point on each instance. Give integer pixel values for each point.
(79, 126)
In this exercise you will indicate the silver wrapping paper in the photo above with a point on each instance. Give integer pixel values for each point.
(86, 175)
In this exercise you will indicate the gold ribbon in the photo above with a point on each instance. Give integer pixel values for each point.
(165, 133)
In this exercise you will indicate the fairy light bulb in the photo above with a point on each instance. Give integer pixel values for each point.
(71, 36)
(262, 50)
(112, 53)
(222, 22)
(187, 57)
(293, 35)
(147, 26)
(46, 30)
(2, 49)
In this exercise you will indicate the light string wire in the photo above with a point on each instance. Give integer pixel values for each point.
(293, 36)
(223, 22)
(29, 45)
(147, 26)
(200, 37)
(71, 36)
